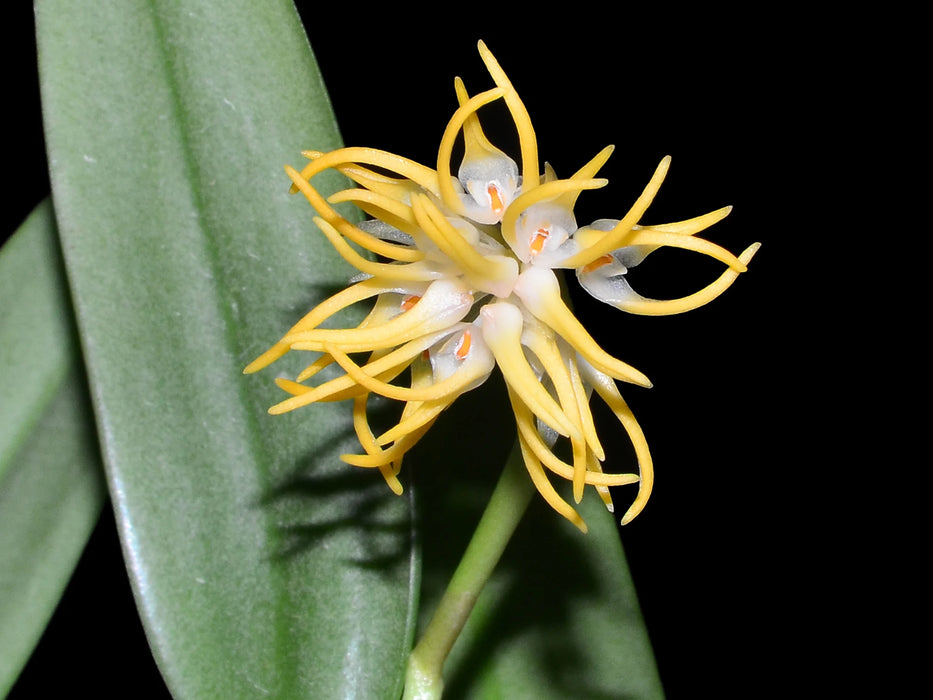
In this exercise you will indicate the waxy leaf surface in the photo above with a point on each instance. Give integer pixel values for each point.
(51, 480)
(261, 564)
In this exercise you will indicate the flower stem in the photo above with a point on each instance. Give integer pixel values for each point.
(423, 680)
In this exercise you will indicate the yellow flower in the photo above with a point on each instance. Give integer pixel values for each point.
(468, 284)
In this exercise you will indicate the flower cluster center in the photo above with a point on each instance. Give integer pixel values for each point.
(463, 271)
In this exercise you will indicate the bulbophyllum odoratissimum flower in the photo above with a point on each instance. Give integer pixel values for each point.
(463, 277)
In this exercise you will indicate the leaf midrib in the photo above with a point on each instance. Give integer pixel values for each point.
(233, 348)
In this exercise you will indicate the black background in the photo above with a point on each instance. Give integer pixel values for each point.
(726, 555)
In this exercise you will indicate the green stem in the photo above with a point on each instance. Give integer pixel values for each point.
(423, 680)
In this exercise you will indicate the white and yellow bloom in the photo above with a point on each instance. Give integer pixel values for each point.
(462, 270)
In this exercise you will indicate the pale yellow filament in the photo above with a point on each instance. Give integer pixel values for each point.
(603, 491)
(338, 389)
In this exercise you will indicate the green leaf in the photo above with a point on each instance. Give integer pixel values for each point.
(51, 480)
(261, 564)
(560, 617)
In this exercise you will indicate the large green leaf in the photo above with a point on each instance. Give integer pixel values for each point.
(261, 564)
(51, 481)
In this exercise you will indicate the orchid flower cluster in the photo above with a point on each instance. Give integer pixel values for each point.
(463, 273)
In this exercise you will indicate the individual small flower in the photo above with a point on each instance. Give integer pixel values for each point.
(462, 271)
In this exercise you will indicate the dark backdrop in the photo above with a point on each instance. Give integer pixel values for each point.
(720, 558)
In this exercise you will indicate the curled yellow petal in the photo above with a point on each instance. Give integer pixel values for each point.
(423, 176)
(635, 304)
(594, 476)
(444, 303)
(542, 193)
(587, 172)
(616, 238)
(384, 368)
(320, 313)
(315, 367)
(348, 229)
(609, 393)
(389, 455)
(653, 237)
(452, 386)
(546, 350)
(365, 435)
(546, 489)
(338, 389)
(495, 274)
(395, 188)
(528, 142)
(393, 212)
(413, 272)
(464, 112)
(427, 411)
(462, 269)
(502, 328)
(540, 291)
(689, 227)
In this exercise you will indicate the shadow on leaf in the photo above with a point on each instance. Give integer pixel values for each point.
(532, 633)
(323, 500)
